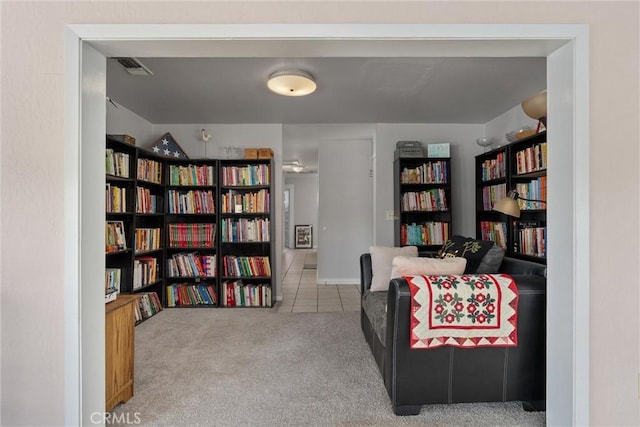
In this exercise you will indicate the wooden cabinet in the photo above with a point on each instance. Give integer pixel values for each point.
(119, 348)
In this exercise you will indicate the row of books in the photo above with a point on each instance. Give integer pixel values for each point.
(188, 294)
(115, 199)
(191, 202)
(491, 194)
(149, 170)
(234, 202)
(427, 173)
(532, 159)
(428, 233)
(531, 240)
(185, 235)
(495, 231)
(114, 235)
(192, 175)
(112, 280)
(246, 175)
(147, 239)
(191, 264)
(147, 202)
(246, 266)
(117, 163)
(246, 230)
(148, 305)
(535, 189)
(494, 168)
(237, 294)
(428, 200)
(145, 271)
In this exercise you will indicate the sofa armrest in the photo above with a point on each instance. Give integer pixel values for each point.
(365, 272)
(518, 266)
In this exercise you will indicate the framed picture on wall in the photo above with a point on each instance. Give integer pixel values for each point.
(303, 236)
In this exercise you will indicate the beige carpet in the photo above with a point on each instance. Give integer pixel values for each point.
(256, 367)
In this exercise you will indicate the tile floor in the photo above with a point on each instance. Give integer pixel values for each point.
(301, 293)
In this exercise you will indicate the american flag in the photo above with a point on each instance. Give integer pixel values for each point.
(167, 146)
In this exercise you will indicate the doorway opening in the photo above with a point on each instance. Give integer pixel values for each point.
(568, 349)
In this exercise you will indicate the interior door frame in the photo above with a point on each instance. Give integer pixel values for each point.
(80, 324)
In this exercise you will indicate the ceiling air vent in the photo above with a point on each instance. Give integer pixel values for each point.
(134, 67)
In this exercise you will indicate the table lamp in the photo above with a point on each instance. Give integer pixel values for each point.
(509, 205)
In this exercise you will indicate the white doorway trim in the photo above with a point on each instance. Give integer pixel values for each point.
(475, 40)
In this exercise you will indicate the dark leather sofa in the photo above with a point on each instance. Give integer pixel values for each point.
(455, 375)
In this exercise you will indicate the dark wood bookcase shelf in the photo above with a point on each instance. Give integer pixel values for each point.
(520, 165)
(422, 202)
(147, 207)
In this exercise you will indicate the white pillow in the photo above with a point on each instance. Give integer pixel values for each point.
(415, 266)
(381, 258)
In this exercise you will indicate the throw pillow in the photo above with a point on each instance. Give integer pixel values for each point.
(414, 266)
(490, 263)
(381, 259)
(466, 247)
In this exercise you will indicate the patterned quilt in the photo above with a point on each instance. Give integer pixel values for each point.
(473, 310)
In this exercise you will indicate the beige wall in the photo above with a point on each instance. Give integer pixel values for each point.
(31, 177)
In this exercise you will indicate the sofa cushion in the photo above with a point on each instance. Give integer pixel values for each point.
(413, 266)
(374, 305)
(381, 258)
(475, 252)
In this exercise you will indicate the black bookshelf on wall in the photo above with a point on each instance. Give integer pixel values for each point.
(178, 227)
(519, 166)
(422, 202)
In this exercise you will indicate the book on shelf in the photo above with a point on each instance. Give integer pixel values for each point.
(249, 175)
(428, 233)
(148, 305)
(428, 173)
(248, 202)
(191, 202)
(532, 159)
(116, 199)
(495, 168)
(147, 239)
(431, 200)
(536, 189)
(235, 293)
(245, 230)
(191, 264)
(146, 202)
(184, 235)
(191, 175)
(491, 194)
(246, 266)
(149, 170)
(495, 231)
(117, 163)
(530, 238)
(115, 238)
(145, 271)
(189, 294)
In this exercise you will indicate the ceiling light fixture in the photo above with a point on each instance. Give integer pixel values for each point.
(291, 83)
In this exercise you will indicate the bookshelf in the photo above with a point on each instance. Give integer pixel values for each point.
(189, 232)
(422, 202)
(520, 165)
(134, 221)
(246, 232)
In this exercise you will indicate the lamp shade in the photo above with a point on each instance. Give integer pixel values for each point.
(291, 83)
(508, 205)
(536, 106)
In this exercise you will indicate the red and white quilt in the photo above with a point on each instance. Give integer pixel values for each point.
(473, 310)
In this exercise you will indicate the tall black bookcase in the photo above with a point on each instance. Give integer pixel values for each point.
(521, 165)
(197, 232)
(422, 202)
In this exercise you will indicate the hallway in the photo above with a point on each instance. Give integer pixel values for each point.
(301, 293)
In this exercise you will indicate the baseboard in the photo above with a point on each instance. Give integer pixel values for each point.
(334, 281)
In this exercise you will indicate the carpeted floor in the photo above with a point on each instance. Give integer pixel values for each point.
(256, 367)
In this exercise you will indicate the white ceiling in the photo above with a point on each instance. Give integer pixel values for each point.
(350, 90)
(359, 81)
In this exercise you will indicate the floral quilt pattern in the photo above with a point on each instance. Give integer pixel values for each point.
(472, 310)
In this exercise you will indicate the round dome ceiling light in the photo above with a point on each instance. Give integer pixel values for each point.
(291, 83)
